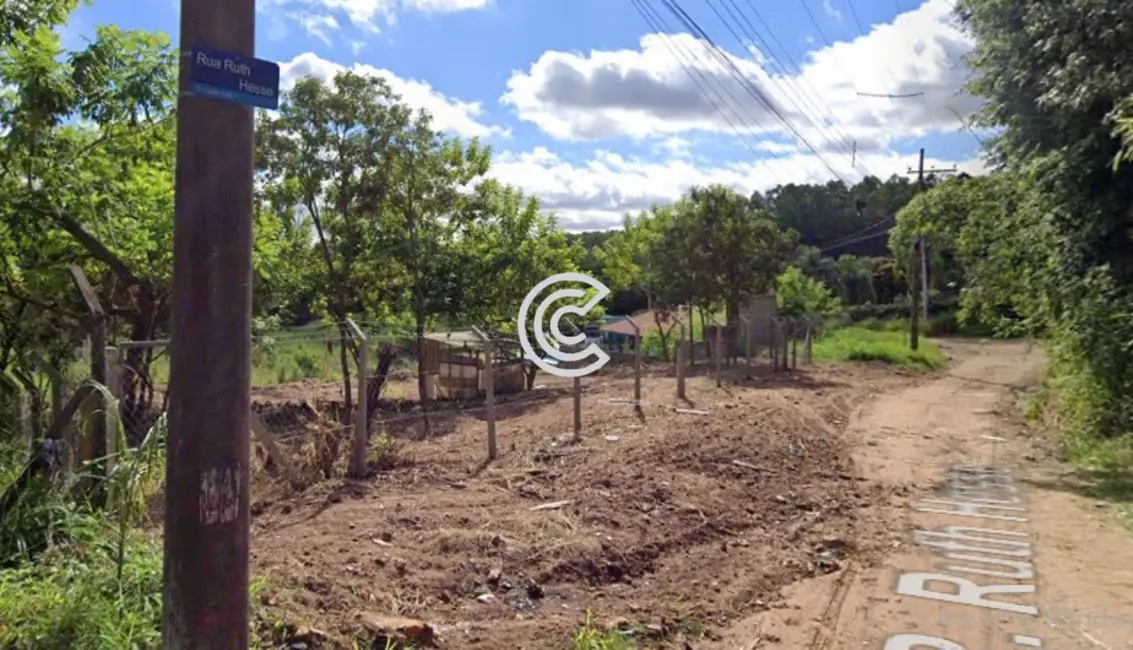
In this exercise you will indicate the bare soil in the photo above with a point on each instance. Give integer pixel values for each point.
(906, 441)
(673, 524)
(779, 516)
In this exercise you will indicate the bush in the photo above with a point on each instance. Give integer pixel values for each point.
(869, 311)
(76, 576)
(78, 597)
(799, 295)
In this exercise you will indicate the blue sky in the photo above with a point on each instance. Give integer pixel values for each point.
(598, 112)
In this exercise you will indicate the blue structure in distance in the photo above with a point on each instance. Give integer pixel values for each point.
(233, 78)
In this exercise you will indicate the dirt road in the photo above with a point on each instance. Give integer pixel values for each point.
(990, 549)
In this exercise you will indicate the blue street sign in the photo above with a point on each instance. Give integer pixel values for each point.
(233, 78)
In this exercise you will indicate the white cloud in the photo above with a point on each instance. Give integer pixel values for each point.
(777, 147)
(644, 92)
(448, 113)
(318, 26)
(596, 194)
(369, 15)
(830, 10)
(675, 146)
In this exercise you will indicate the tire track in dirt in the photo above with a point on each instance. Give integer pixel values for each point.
(1044, 564)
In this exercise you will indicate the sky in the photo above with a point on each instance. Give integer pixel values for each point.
(602, 107)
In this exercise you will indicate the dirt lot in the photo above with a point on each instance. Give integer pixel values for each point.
(1078, 568)
(673, 524)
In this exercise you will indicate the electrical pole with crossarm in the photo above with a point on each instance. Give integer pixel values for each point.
(919, 267)
(205, 599)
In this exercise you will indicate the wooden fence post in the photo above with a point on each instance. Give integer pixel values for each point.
(98, 365)
(808, 346)
(747, 345)
(636, 363)
(718, 349)
(577, 408)
(361, 435)
(489, 394)
(682, 359)
(114, 386)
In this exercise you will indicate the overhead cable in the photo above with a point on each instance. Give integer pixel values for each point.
(752, 89)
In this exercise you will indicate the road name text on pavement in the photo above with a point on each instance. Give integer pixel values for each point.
(974, 553)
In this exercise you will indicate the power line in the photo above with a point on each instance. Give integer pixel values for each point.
(853, 236)
(916, 71)
(798, 73)
(891, 96)
(841, 138)
(862, 31)
(856, 240)
(830, 44)
(656, 23)
(683, 17)
(756, 38)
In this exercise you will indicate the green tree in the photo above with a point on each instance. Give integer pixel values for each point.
(1064, 239)
(423, 219)
(508, 245)
(86, 177)
(799, 295)
(733, 251)
(633, 259)
(336, 148)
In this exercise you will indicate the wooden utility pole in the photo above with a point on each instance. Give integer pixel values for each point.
(914, 308)
(205, 599)
(919, 267)
(925, 283)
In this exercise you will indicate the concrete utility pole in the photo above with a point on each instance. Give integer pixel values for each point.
(919, 266)
(205, 600)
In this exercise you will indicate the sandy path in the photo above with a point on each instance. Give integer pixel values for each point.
(1005, 557)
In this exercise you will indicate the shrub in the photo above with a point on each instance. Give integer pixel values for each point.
(798, 295)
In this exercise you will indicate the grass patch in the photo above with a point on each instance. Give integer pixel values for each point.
(590, 637)
(945, 324)
(861, 344)
(77, 597)
(1103, 471)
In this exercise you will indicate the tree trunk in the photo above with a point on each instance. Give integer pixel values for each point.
(731, 331)
(376, 382)
(662, 333)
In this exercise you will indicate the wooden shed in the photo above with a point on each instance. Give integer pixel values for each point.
(455, 362)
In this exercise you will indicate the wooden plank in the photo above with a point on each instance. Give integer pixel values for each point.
(553, 505)
(88, 295)
(272, 446)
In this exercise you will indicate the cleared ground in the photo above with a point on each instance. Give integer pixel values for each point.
(669, 525)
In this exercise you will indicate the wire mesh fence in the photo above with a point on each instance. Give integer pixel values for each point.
(328, 399)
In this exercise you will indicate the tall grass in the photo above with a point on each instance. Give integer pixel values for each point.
(79, 577)
(943, 324)
(860, 344)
